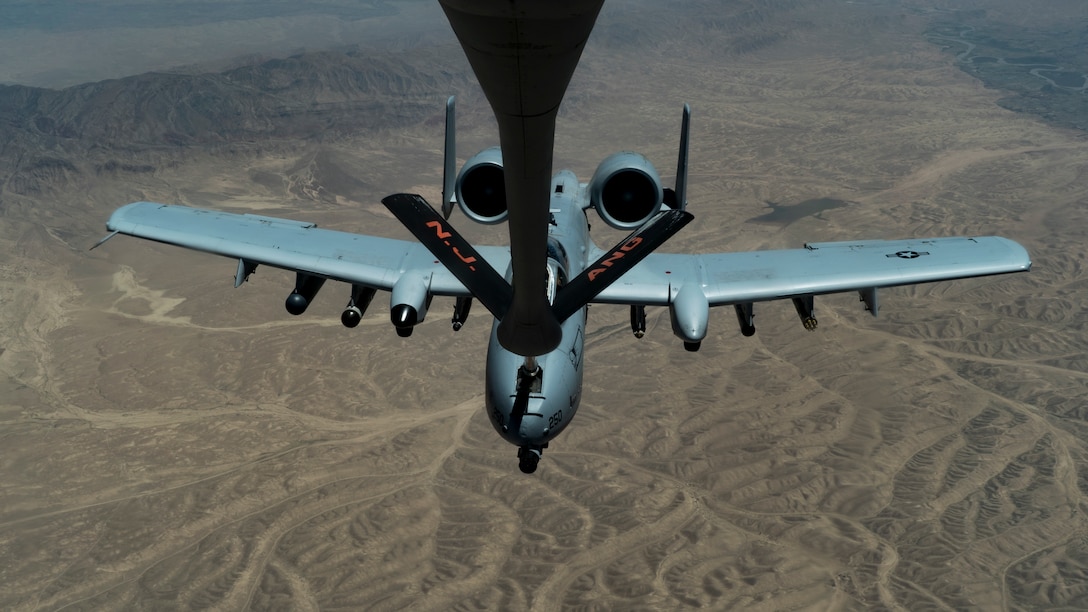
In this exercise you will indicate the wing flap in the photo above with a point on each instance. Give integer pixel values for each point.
(291, 245)
(819, 268)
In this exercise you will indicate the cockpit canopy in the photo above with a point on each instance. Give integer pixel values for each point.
(557, 268)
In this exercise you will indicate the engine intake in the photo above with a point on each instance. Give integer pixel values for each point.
(626, 190)
(481, 187)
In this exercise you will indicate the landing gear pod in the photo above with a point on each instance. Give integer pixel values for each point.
(408, 303)
(689, 312)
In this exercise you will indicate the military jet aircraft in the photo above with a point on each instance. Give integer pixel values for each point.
(523, 53)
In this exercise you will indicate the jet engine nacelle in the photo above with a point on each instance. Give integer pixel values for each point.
(481, 187)
(626, 190)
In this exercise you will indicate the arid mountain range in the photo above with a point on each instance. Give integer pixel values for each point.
(170, 442)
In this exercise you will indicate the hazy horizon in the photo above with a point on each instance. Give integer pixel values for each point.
(61, 43)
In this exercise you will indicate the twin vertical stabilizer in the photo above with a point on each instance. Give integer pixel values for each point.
(449, 160)
(681, 188)
(524, 53)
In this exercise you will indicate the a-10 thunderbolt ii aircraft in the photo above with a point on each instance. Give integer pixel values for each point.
(523, 53)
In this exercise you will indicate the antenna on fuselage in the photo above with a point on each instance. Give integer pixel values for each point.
(449, 162)
(681, 188)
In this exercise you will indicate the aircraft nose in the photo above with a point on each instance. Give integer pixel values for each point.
(533, 424)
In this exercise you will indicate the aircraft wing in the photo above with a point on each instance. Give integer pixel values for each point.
(818, 268)
(293, 245)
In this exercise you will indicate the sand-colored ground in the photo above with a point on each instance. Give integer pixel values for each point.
(170, 442)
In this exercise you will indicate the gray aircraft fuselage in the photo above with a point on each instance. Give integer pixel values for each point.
(529, 411)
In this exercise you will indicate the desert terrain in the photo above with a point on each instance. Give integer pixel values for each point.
(171, 442)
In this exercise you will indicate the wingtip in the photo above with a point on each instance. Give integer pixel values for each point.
(1019, 253)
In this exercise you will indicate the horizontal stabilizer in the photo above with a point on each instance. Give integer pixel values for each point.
(459, 257)
(617, 261)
